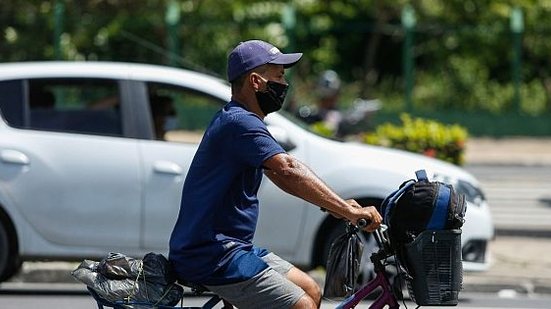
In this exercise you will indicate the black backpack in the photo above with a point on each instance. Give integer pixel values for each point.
(420, 205)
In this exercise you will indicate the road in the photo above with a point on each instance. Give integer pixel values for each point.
(519, 197)
(470, 301)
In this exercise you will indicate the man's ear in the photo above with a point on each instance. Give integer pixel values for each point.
(256, 81)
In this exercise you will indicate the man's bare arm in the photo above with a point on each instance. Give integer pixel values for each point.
(295, 178)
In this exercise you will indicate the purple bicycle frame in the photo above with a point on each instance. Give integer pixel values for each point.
(387, 296)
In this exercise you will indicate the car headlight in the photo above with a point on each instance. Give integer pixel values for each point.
(473, 195)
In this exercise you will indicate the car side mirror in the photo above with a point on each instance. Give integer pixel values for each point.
(282, 137)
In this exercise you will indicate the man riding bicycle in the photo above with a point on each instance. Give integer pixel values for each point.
(211, 243)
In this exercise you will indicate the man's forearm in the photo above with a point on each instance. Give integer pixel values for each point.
(297, 179)
(294, 177)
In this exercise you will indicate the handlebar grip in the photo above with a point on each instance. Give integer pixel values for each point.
(363, 223)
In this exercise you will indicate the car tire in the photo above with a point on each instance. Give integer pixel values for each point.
(9, 263)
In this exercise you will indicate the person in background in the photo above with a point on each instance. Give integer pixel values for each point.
(164, 115)
(40, 98)
(326, 110)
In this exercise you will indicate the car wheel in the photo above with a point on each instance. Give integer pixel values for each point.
(9, 264)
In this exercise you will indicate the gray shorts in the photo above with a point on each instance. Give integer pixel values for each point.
(268, 289)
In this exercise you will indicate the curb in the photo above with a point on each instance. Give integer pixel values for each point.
(523, 233)
(519, 286)
(42, 288)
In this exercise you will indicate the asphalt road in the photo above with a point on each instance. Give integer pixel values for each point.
(471, 301)
(519, 198)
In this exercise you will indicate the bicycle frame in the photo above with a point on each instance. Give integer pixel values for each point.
(386, 297)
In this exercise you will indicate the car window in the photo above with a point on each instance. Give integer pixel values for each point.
(180, 114)
(89, 106)
(11, 102)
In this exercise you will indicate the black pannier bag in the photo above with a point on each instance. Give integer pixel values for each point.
(343, 264)
(424, 220)
(121, 279)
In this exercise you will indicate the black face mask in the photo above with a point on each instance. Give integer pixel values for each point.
(271, 99)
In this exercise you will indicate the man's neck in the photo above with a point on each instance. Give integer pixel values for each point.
(249, 102)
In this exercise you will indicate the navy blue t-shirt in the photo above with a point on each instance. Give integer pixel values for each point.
(212, 240)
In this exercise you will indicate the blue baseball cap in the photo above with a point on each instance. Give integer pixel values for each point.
(254, 53)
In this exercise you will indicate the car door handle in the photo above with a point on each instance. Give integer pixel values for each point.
(14, 157)
(167, 167)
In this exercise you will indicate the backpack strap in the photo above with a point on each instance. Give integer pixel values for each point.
(461, 208)
(457, 213)
(390, 201)
(440, 210)
(442, 203)
(421, 175)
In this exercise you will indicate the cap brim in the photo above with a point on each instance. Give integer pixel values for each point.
(287, 60)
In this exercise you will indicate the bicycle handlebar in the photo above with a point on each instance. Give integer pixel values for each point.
(363, 223)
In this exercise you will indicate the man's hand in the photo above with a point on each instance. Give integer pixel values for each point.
(368, 213)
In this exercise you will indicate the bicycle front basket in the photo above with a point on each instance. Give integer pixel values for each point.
(433, 261)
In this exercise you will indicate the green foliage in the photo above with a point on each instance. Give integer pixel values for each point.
(322, 129)
(534, 98)
(463, 49)
(461, 89)
(428, 137)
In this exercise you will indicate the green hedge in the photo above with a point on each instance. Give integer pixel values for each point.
(425, 136)
(482, 124)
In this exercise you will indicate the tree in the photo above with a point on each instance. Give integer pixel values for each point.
(462, 48)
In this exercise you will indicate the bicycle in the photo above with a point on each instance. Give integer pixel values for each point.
(422, 289)
(387, 297)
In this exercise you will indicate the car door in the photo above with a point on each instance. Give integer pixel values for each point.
(180, 117)
(167, 160)
(70, 171)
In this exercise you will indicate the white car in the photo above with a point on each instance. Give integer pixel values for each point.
(86, 169)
